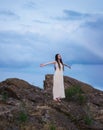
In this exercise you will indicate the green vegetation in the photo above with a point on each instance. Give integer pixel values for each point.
(81, 99)
(23, 117)
(75, 93)
(88, 120)
(52, 127)
(70, 92)
(4, 96)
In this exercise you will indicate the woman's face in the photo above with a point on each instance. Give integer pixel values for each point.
(59, 56)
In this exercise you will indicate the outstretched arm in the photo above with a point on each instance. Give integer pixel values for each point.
(67, 66)
(53, 62)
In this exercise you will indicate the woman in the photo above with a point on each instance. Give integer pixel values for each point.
(58, 81)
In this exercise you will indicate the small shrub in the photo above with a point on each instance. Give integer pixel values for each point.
(4, 96)
(52, 127)
(23, 117)
(88, 120)
(81, 99)
(76, 94)
(72, 91)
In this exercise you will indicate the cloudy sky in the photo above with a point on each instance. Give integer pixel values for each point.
(33, 31)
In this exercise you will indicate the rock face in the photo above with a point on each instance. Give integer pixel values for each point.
(27, 107)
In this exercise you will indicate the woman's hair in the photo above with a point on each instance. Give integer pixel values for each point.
(56, 59)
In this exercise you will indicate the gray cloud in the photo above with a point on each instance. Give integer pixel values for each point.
(73, 15)
(77, 54)
(21, 50)
(41, 22)
(8, 15)
(14, 50)
(95, 24)
(30, 5)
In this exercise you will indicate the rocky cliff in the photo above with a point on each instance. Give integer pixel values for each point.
(27, 107)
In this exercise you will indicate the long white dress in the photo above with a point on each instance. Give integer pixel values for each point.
(58, 83)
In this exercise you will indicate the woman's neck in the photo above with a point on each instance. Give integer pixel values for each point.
(58, 60)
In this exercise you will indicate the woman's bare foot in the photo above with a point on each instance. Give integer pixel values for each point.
(57, 100)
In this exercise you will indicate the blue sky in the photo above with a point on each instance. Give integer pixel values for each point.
(33, 31)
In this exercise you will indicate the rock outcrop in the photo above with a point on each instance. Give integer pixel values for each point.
(27, 107)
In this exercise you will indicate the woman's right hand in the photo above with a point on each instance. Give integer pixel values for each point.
(41, 65)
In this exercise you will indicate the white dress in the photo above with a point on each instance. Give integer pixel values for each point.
(58, 83)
